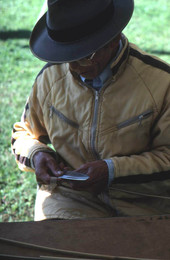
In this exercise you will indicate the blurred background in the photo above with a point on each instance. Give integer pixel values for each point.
(149, 29)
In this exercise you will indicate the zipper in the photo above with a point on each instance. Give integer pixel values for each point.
(63, 117)
(94, 122)
(94, 125)
(136, 119)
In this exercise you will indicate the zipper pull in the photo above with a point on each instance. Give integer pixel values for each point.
(140, 120)
(143, 116)
(97, 96)
(51, 112)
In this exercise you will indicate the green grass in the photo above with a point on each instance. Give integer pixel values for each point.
(149, 29)
(18, 69)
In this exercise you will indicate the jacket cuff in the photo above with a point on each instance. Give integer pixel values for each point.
(110, 166)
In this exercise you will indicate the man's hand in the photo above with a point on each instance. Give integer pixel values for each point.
(46, 167)
(98, 173)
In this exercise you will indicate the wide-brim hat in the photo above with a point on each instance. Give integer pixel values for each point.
(73, 29)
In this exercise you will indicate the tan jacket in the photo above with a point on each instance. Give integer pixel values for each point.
(127, 121)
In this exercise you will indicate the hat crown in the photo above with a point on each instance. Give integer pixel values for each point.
(73, 29)
(65, 14)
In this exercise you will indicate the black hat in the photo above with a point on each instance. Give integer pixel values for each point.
(73, 29)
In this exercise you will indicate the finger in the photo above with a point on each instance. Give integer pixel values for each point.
(61, 165)
(83, 168)
(93, 181)
(55, 169)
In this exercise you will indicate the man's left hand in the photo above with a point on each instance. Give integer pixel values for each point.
(98, 177)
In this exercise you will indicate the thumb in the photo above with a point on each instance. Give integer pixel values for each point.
(55, 168)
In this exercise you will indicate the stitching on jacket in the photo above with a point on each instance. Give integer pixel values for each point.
(99, 124)
(100, 112)
(144, 84)
(168, 89)
(51, 87)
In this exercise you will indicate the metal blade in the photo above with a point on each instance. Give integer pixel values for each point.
(76, 176)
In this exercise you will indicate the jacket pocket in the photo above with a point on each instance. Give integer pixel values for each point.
(62, 117)
(137, 119)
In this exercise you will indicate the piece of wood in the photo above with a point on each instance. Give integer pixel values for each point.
(138, 237)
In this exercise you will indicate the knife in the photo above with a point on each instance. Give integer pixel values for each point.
(73, 176)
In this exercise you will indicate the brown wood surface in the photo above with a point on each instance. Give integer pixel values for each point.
(138, 237)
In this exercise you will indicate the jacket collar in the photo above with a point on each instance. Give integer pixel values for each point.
(118, 64)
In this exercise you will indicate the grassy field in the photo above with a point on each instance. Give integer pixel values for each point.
(149, 29)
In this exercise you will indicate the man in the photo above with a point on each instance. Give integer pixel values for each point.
(104, 105)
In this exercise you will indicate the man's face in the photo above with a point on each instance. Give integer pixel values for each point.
(91, 66)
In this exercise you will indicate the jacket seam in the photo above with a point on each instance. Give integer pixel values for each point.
(100, 112)
(51, 87)
(145, 85)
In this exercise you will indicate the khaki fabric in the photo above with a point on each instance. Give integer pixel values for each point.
(152, 198)
(64, 203)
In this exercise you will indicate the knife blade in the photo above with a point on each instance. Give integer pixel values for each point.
(75, 176)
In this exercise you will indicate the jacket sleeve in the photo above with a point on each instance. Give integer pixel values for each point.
(30, 135)
(155, 161)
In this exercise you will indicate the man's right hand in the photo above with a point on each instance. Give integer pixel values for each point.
(46, 167)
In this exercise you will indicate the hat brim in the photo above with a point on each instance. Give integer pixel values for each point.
(46, 49)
